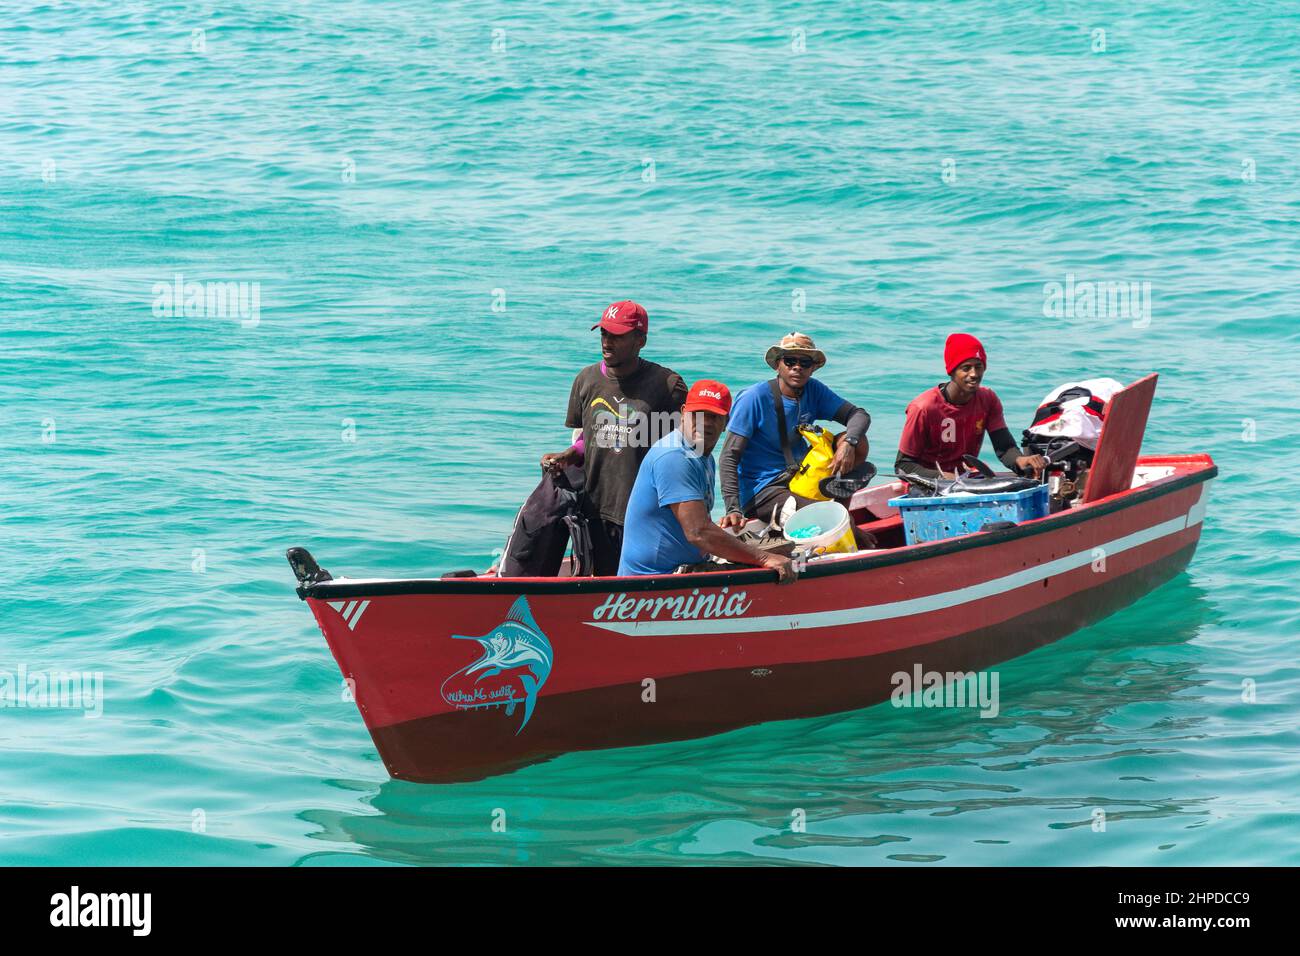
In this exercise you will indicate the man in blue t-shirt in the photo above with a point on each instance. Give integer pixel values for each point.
(668, 522)
(755, 478)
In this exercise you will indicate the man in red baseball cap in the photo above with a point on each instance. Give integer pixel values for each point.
(950, 420)
(668, 522)
(623, 404)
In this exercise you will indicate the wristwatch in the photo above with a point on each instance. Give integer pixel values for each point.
(851, 441)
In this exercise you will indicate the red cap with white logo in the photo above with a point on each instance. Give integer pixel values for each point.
(707, 395)
(622, 317)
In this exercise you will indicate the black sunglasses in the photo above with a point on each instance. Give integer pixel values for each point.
(797, 361)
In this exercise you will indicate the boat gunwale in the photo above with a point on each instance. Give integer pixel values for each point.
(1203, 470)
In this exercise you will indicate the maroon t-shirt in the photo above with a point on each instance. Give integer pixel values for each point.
(939, 431)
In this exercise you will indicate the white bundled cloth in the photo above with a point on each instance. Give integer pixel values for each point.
(1074, 411)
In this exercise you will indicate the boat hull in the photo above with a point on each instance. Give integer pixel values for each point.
(456, 682)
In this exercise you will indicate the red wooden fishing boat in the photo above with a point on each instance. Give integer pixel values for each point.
(459, 678)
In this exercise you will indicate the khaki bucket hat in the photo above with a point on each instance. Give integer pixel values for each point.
(796, 342)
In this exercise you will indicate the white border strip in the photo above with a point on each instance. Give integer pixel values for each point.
(921, 605)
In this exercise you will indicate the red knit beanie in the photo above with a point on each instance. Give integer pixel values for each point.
(959, 348)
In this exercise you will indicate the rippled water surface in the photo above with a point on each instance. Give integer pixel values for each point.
(388, 172)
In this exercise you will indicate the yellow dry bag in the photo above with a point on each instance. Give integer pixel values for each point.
(816, 464)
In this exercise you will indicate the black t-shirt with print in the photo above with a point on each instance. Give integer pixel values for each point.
(620, 419)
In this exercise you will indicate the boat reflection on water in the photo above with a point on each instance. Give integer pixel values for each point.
(877, 785)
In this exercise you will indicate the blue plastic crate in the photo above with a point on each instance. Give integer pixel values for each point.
(934, 519)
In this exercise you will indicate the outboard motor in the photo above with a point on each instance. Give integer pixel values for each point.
(1067, 468)
(1065, 431)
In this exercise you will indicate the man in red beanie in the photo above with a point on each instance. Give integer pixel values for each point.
(668, 522)
(950, 420)
(623, 405)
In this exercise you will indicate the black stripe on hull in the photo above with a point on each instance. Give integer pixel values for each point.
(471, 745)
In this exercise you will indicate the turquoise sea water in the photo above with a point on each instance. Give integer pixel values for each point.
(436, 201)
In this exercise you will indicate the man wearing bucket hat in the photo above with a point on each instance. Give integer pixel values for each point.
(668, 522)
(949, 421)
(763, 439)
(623, 405)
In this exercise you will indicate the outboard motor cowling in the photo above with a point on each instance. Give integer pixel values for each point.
(1065, 431)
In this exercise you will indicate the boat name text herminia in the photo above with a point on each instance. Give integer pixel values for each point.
(620, 607)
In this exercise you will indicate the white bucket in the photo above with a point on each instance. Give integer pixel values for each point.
(837, 529)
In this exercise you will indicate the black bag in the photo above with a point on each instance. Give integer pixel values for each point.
(551, 517)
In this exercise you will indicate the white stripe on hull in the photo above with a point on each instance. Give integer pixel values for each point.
(356, 616)
(350, 611)
(921, 605)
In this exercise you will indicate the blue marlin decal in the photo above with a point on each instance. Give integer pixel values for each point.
(515, 664)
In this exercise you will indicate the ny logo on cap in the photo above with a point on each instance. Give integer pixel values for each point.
(612, 312)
